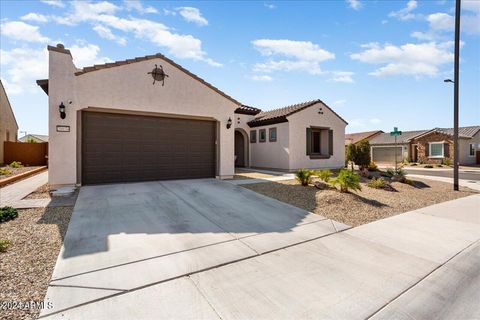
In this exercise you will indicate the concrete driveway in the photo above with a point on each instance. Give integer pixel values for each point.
(206, 249)
(125, 237)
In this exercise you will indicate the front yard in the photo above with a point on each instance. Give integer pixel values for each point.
(35, 237)
(364, 206)
(7, 171)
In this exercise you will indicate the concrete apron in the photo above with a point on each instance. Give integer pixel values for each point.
(126, 237)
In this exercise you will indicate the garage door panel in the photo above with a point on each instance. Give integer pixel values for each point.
(127, 148)
(386, 154)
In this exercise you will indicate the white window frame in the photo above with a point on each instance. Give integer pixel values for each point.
(430, 150)
(470, 148)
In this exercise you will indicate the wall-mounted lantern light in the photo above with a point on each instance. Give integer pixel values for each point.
(229, 123)
(61, 109)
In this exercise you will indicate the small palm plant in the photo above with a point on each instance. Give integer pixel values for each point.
(347, 180)
(324, 175)
(303, 176)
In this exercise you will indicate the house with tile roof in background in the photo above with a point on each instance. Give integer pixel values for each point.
(8, 123)
(34, 138)
(354, 138)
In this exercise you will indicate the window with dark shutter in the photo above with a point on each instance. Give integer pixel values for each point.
(317, 139)
(253, 136)
(330, 142)
(309, 141)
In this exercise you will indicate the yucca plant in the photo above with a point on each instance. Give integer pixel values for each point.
(347, 180)
(303, 176)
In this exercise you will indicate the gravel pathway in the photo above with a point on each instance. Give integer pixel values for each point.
(42, 192)
(36, 237)
(365, 206)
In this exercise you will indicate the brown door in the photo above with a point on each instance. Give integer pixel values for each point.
(239, 150)
(128, 148)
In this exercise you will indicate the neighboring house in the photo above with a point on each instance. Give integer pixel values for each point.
(119, 125)
(383, 147)
(34, 137)
(427, 146)
(436, 145)
(354, 138)
(8, 123)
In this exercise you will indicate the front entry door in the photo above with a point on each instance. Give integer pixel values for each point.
(239, 150)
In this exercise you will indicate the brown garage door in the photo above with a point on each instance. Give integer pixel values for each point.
(386, 154)
(128, 148)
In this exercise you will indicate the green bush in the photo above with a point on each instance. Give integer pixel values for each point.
(4, 172)
(350, 154)
(390, 172)
(372, 166)
(447, 162)
(16, 164)
(376, 183)
(324, 175)
(4, 245)
(303, 176)
(347, 180)
(8, 213)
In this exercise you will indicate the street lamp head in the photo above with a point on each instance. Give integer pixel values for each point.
(448, 80)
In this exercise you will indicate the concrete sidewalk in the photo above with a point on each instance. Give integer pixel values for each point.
(13, 194)
(371, 270)
(472, 184)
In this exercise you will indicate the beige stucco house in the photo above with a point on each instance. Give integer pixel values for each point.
(8, 123)
(149, 118)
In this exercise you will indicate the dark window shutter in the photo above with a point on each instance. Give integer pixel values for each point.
(427, 149)
(309, 141)
(330, 142)
(446, 150)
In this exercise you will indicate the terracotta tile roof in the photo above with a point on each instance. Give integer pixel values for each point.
(280, 115)
(243, 109)
(359, 136)
(150, 57)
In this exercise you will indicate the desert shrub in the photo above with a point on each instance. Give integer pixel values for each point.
(4, 245)
(428, 166)
(31, 140)
(350, 154)
(347, 180)
(303, 176)
(8, 213)
(4, 172)
(390, 172)
(439, 166)
(324, 175)
(447, 162)
(372, 166)
(376, 183)
(16, 164)
(362, 156)
(409, 182)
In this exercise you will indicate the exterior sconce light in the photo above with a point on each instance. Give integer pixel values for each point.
(61, 109)
(229, 123)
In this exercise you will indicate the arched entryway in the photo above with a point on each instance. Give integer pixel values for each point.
(241, 148)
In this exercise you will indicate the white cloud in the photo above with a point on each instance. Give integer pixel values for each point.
(405, 13)
(375, 121)
(54, 3)
(138, 6)
(102, 14)
(19, 30)
(169, 12)
(269, 6)
(87, 55)
(191, 14)
(20, 67)
(297, 56)
(354, 4)
(408, 59)
(106, 33)
(34, 17)
(342, 76)
(340, 103)
(262, 78)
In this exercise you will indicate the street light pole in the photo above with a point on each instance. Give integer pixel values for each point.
(455, 95)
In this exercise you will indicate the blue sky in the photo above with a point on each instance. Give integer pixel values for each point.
(379, 64)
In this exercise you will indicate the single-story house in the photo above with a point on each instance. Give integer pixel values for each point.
(427, 146)
(8, 123)
(149, 118)
(354, 138)
(34, 137)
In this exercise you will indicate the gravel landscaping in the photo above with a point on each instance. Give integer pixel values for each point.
(35, 237)
(365, 206)
(42, 192)
(15, 171)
